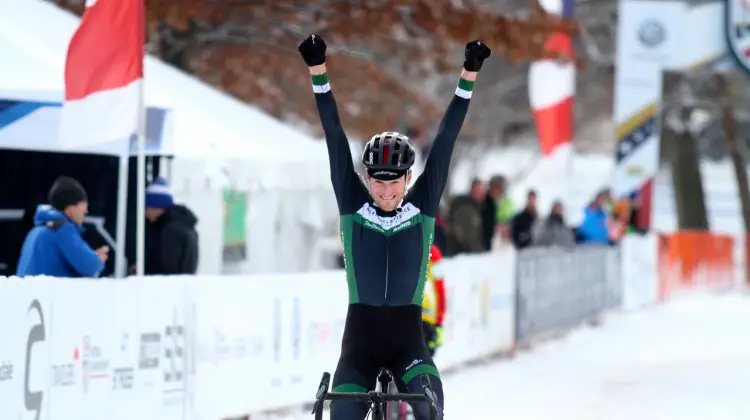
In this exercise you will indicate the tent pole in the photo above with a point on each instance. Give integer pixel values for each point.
(141, 210)
(122, 213)
(140, 237)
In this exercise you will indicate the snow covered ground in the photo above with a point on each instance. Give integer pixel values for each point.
(688, 359)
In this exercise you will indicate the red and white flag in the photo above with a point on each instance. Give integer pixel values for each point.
(104, 75)
(551, 94)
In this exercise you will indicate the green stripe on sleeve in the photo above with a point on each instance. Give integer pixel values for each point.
(464, 88)
(320, 83)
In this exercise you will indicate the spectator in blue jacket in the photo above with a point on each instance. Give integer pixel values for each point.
(54, 246)
(594, 228)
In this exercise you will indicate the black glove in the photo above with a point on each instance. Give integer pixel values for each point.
(313, 50)
(476, 53)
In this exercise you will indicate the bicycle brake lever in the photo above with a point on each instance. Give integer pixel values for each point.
(322, 391)
(430, 394)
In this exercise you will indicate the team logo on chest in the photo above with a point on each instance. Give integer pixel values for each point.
(407, 217)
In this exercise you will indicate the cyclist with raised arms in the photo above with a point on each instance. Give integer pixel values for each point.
(387, 234)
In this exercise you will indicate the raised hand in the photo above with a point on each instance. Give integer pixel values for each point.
(313, 50)
(476, 53)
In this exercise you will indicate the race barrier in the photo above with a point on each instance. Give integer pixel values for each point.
(219, 347)
(208, 348)
(561, 289)
(691, 259)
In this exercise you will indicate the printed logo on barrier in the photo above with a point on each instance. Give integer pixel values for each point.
(33, 400)
(296, 327)
(296, 377)
(64, 374)
(95, 366)
(123, 377)
(276, 380)
(150, 350)
(6, 371)
(173, 368)
(738, 31)
(277, 330)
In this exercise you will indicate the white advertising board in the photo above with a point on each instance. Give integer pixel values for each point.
(208, 347)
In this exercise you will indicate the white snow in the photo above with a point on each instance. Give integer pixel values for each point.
(686, 360)
(689, 359)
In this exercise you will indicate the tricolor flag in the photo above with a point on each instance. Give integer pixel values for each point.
(551, 92)
(104, 75)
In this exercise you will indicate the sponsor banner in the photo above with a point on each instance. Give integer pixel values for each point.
(480, 291)
(229, 345)
(125, 354)
(163, 346)
(25, 349)
(172, 348)
(82, 344)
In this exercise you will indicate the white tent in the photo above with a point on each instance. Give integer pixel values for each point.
(34, 37)
(218, 140)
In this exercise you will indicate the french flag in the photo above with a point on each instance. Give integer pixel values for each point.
(104, 75)
(551, 92)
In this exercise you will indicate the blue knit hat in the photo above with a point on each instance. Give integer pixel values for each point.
(159, 195)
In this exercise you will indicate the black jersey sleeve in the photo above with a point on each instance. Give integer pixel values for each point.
(431, 183)
(348, 188)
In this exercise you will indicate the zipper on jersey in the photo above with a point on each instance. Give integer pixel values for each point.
(387, 258)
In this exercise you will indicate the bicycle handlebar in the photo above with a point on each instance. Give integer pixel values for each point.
(374, 397)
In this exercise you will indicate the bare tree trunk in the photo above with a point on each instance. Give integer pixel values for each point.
(679, 150)
(690, 202)
(735, 150)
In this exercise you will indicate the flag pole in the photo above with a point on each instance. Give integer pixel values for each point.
(141, 185)
(122, 212)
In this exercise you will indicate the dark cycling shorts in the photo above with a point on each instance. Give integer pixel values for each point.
(390, 337)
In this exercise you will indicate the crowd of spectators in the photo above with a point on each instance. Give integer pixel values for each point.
(486, 216)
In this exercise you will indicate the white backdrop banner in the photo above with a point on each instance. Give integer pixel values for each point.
(208, 347)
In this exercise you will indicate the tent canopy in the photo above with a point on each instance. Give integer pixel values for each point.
(29, 121)
(205, 120)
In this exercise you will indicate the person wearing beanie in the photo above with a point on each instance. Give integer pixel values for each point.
(171, 238)
(54, 246)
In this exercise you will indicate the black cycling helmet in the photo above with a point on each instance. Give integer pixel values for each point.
(388, 155)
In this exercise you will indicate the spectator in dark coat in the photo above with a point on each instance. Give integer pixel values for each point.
(171, 238)
(635, 213)
(523, 223)
(465, 220)
(553, 231)
(54, 246)
(440, 240)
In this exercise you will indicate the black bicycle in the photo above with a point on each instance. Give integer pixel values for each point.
(376, 399)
